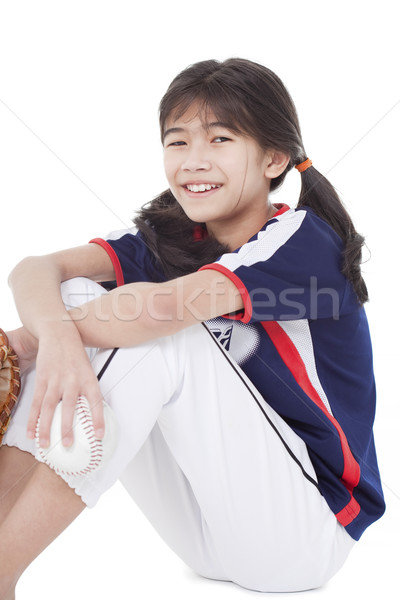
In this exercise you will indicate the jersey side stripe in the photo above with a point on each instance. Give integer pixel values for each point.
(291, 357)
(299, 333)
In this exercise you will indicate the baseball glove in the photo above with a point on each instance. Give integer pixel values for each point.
(9, 382)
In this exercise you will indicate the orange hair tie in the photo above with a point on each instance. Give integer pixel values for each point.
(304, 165)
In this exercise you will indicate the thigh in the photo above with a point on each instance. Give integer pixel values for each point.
(128, 384)
(256, 514)
(136, 397)
(163, 493)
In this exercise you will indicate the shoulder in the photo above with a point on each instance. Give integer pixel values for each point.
(295, 237)
(303, 221)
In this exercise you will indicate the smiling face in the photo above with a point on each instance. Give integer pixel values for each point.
(217, 176)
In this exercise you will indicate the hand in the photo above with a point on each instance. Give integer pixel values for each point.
(25, 345)
(63, 372)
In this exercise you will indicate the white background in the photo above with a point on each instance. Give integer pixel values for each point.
(80, 82)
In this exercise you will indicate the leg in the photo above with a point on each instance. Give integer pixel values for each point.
(252, 508)
(217, 481)
(163, 493)
(43, 510)
(37, 503)
(16, 469)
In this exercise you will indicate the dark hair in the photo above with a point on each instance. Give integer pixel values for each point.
(253, 101)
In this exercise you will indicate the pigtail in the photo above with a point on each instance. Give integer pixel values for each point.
(320, 195)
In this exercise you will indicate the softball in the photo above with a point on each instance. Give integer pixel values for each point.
(87, 454)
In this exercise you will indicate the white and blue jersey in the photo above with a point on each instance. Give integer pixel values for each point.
(303, 340)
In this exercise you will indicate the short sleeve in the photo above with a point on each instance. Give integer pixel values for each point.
(130, 256)
(290, 270)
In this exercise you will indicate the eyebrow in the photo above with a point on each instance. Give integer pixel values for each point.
(214, 124)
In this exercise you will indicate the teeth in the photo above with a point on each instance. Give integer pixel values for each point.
(202, 187)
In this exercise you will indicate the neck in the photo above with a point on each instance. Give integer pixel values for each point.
(238, 233)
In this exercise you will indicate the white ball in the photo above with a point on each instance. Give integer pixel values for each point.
(87, 454)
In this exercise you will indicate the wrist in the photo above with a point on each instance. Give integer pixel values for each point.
(59, 328)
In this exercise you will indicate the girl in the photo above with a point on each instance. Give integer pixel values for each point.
(243, 383)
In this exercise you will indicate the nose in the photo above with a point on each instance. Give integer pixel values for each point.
(196, 159)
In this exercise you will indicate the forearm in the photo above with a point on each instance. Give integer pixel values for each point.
(35, 283)
(124, 317)
(128, 316)
(138, 312)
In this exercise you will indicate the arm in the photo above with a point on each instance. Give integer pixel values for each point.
(138, 312)
(35, 283)
(63, 370)
(129, 315)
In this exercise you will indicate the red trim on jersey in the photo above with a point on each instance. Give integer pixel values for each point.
(282, 208)
(114, 258)
(292, 359)
(349, 512)
(199, 233)
(242, 316)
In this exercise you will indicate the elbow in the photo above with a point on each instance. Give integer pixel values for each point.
(33, 266)
(21, 267)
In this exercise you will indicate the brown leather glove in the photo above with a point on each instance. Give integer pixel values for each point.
(9, 382)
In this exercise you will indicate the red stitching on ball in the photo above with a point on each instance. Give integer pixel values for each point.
(95, 445)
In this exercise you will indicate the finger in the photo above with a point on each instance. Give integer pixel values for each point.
(68, 407)
(50, 401)
(39, 393)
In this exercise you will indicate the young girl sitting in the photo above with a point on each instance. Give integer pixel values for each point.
(243, 381)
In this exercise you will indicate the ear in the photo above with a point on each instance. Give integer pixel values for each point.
(275, 163)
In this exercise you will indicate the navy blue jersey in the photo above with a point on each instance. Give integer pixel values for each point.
(303, 340)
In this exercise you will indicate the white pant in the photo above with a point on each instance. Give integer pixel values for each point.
(223, 479)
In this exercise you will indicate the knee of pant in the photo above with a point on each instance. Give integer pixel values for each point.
(79, 290)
